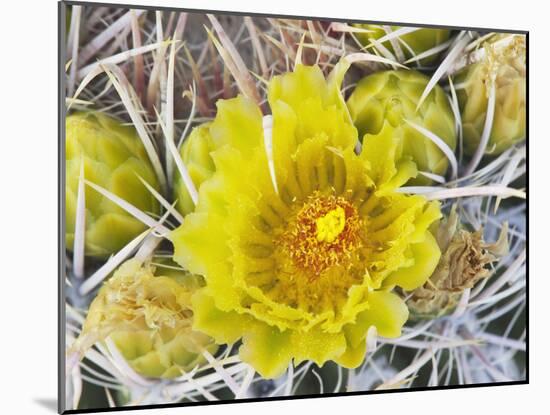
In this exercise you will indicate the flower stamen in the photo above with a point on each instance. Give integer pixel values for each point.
(325, 232)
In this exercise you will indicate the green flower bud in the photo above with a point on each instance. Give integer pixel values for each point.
(113, 157)
(503, 66)
(147, 313)
(411, 44)
(195, 153)
(391, 97)
(463, 262)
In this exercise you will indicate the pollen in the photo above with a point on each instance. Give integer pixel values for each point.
(325, 232)
(331, 225)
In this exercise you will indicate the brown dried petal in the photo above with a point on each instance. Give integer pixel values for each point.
(463, 263)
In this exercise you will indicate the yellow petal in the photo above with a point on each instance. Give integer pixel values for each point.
(426, 256)
(387, 312)
(317, 345)
(267, 349)
(353, 356)
(380, 151)
(224, 327)
(238, 123)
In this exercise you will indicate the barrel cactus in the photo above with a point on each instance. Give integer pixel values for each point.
(391, 98)
(503, 65)
(146, 312)
(411, 44)
(113, 158)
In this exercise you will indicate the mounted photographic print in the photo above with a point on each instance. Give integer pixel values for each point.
(257, 207)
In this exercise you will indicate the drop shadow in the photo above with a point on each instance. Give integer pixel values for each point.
(48, 403)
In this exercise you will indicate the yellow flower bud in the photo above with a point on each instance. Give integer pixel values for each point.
(503, 66)
(411, 44)
(195, 154)
(147, 313)
(113, 157)
(389, 99)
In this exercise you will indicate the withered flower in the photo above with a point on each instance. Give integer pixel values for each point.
(465, 260)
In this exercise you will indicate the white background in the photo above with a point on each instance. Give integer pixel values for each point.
(28, 203)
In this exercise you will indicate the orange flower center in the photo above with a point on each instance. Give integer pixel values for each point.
(324, 233)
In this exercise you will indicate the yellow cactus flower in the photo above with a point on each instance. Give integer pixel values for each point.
(504, 67)
(148, 317)
(113, 157)
(392, 97)
(301, 240)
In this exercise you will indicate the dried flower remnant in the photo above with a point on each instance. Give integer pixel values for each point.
(503, 67)
(113, 158)
(300, 260)
(147, 314)
(389, 99)
(464, 262)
